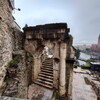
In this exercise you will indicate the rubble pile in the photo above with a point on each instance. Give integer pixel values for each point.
(10, 88)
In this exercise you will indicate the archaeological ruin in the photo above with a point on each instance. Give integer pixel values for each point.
(40, 56)
(50, 72)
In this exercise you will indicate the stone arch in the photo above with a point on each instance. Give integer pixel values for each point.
(55, 37)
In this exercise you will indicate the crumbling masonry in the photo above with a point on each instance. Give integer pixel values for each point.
(59, 42)
(45, 51)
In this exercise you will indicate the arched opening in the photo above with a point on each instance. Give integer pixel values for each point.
(48, 52)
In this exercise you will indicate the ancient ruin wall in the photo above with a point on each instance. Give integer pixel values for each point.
(6, 45)
(53, 36)
(10, 36)
(10, 33)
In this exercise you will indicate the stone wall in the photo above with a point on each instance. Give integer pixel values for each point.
(22, 75)
(17, 77)
(6, 44)
(10, 36)
(36, 38)
(54, 36)
(18, 37)
(9, 33)
(57, 39)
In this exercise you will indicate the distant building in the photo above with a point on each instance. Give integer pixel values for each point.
(95, 59)
(99, 42)
(83, 47)
(96, 47)
(95, 66)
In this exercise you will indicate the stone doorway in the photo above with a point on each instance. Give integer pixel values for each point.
(52, 38)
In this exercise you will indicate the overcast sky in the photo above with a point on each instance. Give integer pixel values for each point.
(82, 16)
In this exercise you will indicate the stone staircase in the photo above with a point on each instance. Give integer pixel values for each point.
(45, 77)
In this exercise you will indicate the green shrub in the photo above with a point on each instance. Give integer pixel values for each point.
(57, 96)
(70, 36)
(13, 62)
(87, 66)
(75, 65)
(89, 60)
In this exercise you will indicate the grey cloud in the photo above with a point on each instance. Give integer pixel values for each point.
(82, 16)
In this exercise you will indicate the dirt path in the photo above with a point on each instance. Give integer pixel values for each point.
(81, 91)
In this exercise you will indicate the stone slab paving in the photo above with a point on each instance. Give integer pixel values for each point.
(9, 98)
(81, 90)
(37, 92)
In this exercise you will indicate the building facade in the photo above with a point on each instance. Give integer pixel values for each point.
(95, 66)
(96, 47)
(99, 42)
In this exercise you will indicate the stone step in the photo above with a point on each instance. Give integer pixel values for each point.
(47, 64)
(46, 76)
(48, 59)
(47, 71)
(47, 68)
(45, 79)
(45, 82)
(44, 85)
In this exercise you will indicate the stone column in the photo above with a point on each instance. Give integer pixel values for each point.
(56, 64)
(62, 80)
(36, 67)
(70, 82)
(55, 49)
(55, 73)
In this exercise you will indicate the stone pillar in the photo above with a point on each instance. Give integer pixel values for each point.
(55, 73)
(55, 49)
(62, 80)
(36, 67)
(56, 64)
(70, 82)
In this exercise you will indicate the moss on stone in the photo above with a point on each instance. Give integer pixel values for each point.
(13, 62)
